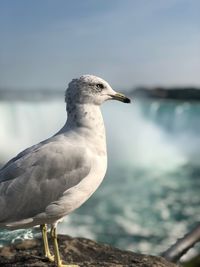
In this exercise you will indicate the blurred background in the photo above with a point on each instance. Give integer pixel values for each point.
(151, 193)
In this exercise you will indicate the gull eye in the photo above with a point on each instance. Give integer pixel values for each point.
(99, 86)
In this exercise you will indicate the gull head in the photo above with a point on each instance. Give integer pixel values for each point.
(89, 89)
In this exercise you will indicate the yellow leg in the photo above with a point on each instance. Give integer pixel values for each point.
(56, 249)
(47, 252)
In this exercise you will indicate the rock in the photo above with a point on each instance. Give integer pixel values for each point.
(195, 262)
(81, 251)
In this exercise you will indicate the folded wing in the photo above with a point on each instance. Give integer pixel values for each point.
(40, 176)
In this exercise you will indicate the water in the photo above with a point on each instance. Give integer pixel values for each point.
(151, 193)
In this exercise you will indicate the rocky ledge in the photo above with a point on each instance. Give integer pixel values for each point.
(80, 251)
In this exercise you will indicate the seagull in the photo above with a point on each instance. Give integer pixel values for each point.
(49, 180)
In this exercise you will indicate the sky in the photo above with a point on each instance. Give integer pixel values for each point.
(44, 44)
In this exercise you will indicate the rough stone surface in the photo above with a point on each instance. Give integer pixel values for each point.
(81, 251)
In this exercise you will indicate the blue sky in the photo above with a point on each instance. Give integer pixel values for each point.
(131, 42)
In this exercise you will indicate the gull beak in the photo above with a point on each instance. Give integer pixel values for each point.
(121, 98)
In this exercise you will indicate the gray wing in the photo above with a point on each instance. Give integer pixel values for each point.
(4, 176)
(30, 182)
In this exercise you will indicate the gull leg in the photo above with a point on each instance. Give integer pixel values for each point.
(56, 249)
(47, 252)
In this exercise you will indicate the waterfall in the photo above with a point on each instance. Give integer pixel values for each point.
(153, 169)
(26, 123)
(148, 132)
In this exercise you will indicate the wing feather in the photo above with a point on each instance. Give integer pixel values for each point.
(32, 181)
